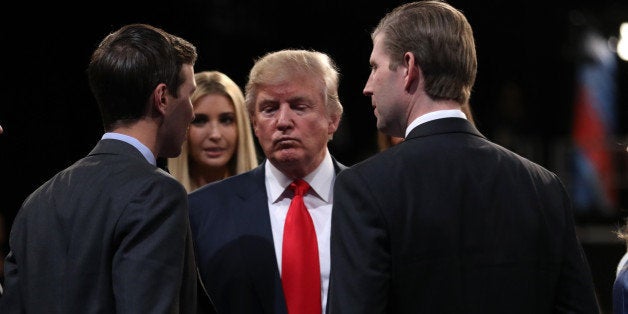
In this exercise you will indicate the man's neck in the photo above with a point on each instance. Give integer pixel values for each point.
(142, 130)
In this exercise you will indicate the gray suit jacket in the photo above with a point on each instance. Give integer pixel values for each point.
(234, 244)
(448, 222)
(109, 234)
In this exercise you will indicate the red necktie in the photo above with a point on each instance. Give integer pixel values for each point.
(300, 270)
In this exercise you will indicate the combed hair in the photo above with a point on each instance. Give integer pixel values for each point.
(129, 63)
(282, 65)
(442, 42)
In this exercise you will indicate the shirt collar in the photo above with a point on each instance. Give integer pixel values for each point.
(439, 114)
(320, 180)
(135, 142)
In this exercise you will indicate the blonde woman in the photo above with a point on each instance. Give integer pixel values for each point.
(220, 141)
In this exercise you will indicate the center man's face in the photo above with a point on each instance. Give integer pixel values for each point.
(292, 124)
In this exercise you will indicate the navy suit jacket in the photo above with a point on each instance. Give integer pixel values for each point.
(234, 244)
(109, 234)
(620, 292)
(448, 222)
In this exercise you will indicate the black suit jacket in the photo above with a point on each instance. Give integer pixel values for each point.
(234, 244)
(109, 234)
(448, 222)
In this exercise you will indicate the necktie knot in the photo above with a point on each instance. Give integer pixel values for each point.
(299, 187)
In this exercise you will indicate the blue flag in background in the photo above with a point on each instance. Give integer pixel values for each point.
(594, 125)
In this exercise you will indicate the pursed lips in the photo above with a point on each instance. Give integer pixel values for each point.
(286, 142)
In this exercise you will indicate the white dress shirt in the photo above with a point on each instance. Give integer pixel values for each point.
(318, 201)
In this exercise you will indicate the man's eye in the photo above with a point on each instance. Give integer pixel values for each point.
(268, 109)
(300, 106)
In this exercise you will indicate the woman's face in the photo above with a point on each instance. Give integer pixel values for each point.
(213, 135)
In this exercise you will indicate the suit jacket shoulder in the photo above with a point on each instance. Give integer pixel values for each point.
(112, 215)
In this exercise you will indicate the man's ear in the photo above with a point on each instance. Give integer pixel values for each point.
(413, 72)
(334, 122)
(159, 98)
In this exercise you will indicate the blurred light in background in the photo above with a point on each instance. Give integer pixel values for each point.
(622, 44)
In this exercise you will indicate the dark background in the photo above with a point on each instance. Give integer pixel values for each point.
(523, 97)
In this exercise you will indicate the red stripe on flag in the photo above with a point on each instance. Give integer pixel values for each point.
(590, 135)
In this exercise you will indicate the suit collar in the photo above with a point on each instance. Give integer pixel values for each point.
(116, 147)
(146, 152)
(321, 180)
(438, 114)
(444, 125)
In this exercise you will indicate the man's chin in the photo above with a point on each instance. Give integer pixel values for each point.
(287, 156)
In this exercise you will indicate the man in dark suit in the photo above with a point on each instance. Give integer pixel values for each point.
(110, 234)
(238, 223)
(447, 221)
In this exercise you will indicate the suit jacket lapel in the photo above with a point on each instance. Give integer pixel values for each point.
(258, 245)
